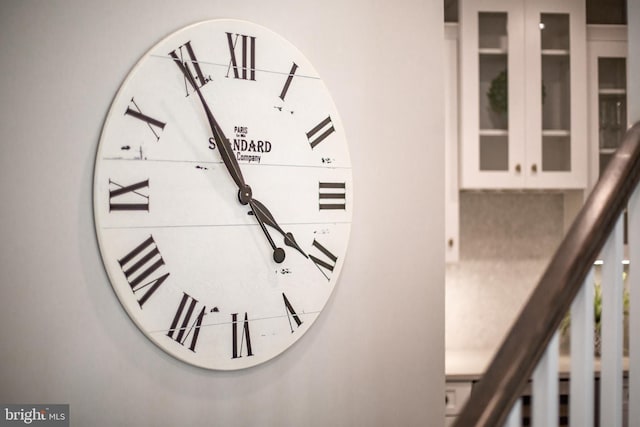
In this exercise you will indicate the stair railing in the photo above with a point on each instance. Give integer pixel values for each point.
(530, 350)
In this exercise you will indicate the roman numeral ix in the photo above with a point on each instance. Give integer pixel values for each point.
(129, 197)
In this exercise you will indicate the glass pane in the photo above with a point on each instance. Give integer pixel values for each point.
(450, 10)
(492, 28)
(554, 31)
(494, 92)
(612, 106)
(556, 153)
(613, 117)
(556, 92)
(493, 87)
(612, 73)
(606, 12)
(494, 152)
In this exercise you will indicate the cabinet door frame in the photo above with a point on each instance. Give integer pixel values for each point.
(576, 177)
(604, 41)
(470, 174)
(525, 121)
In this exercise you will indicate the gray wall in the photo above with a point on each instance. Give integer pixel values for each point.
(376, 355)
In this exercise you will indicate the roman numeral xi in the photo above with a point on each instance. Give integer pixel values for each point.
(187, 65)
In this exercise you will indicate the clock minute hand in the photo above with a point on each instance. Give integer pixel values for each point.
(244, 191)
(264, 215)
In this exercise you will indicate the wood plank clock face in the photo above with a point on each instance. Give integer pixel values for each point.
(223, 194)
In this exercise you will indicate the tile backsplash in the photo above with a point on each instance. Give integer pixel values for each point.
(506, 240)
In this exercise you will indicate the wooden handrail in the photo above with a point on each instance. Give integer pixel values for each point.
(507, 375)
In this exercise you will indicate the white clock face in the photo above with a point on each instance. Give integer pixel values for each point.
(223, 194)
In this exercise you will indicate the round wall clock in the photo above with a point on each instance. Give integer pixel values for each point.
(223, 194)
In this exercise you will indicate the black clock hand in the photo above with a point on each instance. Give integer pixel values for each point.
(278, 253)
(244, 191)
(264, 216)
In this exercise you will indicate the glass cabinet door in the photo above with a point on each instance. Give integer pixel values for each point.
(607, 69)
(557, 132)
(523, 68)
(491, 101)
(555, 92)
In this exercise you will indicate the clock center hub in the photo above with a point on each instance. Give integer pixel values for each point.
(244, 195)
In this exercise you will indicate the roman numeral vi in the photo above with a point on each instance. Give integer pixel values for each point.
(245, 337)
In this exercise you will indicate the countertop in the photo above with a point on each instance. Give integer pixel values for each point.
(470, 365)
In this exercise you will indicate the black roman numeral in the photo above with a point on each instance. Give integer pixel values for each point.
(189, 326)
(245, 336)
(192, 63)
(285, 89)
(328, 263)
(332, 195)
(291, 313)
(154, 125)
(247, 55)
(139, 264)
(325, 127)
(129, 198)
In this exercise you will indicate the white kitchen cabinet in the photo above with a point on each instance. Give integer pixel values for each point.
(523, 94)
(607, 78)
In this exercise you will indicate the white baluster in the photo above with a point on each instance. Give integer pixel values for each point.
(633, 281)
(515, 416)
(545, 387)
(582, 379)
(611, 366)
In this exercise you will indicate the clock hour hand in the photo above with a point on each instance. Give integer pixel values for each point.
(244, 191)
(264, 216)
(278, 253)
